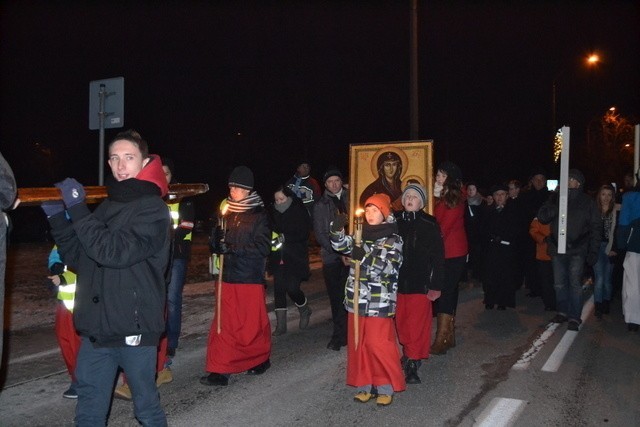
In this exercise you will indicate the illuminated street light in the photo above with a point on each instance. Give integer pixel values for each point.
(593, 59)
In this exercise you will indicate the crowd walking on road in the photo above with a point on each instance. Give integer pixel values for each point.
(390, 268)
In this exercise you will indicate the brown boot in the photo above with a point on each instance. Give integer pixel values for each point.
(445, 336)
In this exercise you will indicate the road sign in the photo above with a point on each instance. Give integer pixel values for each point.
(111, 91)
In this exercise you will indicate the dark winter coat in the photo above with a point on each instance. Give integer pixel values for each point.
(183, 229)
(120, 253)
(249, 237)
(293, 255)
(583, 224)
(423, 253)
(324, 212)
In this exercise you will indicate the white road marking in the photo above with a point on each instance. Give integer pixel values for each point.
(556, 358)
(526, 358)
(500, 412)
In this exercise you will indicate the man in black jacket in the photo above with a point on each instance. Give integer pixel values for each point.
(583, 239)
(120, 253)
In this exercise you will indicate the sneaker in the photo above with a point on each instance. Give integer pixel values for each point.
(363, 396)
(70, 393)
(559, 318)
(384, 400)
(123, 392)
(573, 325)
(214, 379)
(260, 369)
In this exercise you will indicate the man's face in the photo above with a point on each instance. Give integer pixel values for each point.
(538, 181)
(303, 169)
(411, 201)
(373, 215)
(390, 168)
(333, 184)
(236, 193)
(573, 183)
(125, 160)
(167, 173)
(500, 198)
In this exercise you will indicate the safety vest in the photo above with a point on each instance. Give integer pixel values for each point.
(174, 210)
(67, 293)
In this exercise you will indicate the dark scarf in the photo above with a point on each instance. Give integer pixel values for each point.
(130, 190)
(375, 232)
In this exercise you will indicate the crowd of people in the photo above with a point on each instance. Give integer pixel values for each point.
(387, 278)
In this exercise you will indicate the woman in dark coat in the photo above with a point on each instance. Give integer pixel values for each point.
(289, 259)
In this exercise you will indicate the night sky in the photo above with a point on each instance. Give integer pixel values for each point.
(268, 84)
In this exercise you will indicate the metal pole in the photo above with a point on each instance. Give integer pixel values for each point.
(413, 72)
(564, 191)
(101, 117)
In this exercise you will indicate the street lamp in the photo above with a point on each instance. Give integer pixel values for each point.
(591, 61)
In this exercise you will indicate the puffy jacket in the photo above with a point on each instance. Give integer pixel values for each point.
(249, 237)
(324, 212)
(120, 253)
(423, 253)
(583, 224)
(379, 271)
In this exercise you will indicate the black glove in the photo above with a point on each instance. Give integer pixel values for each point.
(358, 253)
(338, 223)
(52, 208)
(57, 268)
(72, 192)
(592, 259)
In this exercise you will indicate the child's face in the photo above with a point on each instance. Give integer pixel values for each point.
(373, 215)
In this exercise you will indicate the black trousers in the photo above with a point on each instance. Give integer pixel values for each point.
(335, 279)
(454, 268)
(285, 284)
(545, 283)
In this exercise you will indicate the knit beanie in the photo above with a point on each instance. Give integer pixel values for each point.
(577, 175)
(419, 190)
(331, 172)
(380, 201)
(241, 177)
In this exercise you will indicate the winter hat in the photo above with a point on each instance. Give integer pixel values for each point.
(499, 187)
(380, 201)
(452, 170)
(420, 192)
(331, 172)
(577, 175)
(241, 177)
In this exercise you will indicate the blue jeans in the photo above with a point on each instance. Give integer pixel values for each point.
(602, 271)
(567, 277)
(96, 376)
(174, 301)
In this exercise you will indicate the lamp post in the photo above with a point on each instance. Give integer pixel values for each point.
(591, 61)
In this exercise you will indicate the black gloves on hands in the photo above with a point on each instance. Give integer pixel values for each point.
(358, 253)
(223, 248)
(338, 224)
(217, 243)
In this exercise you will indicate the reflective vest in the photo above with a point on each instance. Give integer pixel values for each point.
(67, 293)
(174, 210)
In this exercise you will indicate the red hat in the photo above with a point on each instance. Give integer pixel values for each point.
(380, 201)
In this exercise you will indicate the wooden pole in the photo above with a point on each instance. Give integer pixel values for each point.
(222, 222)
(37, 195)
(356, 284)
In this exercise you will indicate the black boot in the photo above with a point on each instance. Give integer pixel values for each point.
(411, 372)
(260, 369)
(598, 310)
(605, 306)
(281, 322)
(305, 314)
